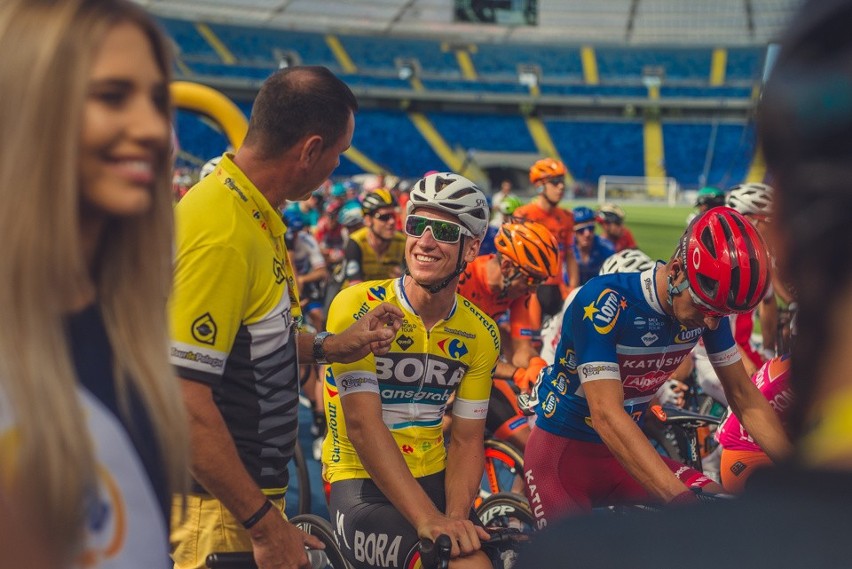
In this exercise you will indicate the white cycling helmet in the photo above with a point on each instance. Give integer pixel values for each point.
(626, 261)
(455, 195)
(208, 167)
(751, 199)
(350, 216)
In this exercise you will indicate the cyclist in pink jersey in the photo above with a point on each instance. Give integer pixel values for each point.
(741, 456)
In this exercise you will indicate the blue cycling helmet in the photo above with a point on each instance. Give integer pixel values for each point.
(293, 219)
(338, 190)
(583, 216)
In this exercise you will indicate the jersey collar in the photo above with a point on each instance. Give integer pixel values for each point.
(648, 283)
(249, 197)
(399, 285)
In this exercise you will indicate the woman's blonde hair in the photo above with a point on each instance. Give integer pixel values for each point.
(49, 48)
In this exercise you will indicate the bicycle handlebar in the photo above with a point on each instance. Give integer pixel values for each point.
(437, 555)
(676, 416)
(245, 559)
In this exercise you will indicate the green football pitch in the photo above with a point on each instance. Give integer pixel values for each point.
(657, 228)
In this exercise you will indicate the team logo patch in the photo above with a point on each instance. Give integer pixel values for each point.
(560, 383)
(330, 384)
(649, 338)
(549, 405)
(737, 468)
(453, 348)
(407, 449)
(404, 342)
(604, 311)
(688, 336)
(278, 271)
(376, 293)
(204, 329)
(570, 362)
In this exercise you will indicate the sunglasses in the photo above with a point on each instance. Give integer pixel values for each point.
(385, 217)
(555, 181)
(589, 229)
(443, 231)
(702, 307)
(530, 280)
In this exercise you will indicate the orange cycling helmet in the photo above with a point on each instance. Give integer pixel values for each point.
(531, 246)
(726, 262)
(545, 169)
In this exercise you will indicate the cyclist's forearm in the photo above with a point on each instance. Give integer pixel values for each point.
(465, 464)
(318, 274)
(630, 447)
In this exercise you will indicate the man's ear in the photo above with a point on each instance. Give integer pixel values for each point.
(311, 149)
(471, 250)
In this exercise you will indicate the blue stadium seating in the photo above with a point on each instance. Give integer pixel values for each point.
(686, 144)
(493, 133)
(199, 136)
(188, 39)
(501, 59)
(390, 139)
(592, 149)
(378, 53)
(679, 64)
(745, 63)
(260, 44)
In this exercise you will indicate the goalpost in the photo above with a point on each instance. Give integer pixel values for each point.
(640, 188)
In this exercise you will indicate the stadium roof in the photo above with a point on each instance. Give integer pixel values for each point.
(670, 22)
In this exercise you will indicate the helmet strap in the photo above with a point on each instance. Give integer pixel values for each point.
(438, 287)
(673, 290)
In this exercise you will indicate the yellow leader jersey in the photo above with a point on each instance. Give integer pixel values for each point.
(414, 380)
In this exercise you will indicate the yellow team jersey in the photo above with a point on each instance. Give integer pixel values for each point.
(233, 314)
(361, 262)
(414, 380)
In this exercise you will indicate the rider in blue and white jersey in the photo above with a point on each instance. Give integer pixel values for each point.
(622, 336)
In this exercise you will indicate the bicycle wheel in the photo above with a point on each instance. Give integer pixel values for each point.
(665, 439)
(504, 468)
(299, 471)
(506, 510)
(330, 557)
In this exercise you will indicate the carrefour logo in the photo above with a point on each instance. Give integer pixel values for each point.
(604, 311)
(376, 293)
(686, 336)
(454, 348)
(330, 384)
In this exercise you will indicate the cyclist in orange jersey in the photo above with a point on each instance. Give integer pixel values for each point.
(504, 282)
(548, 175)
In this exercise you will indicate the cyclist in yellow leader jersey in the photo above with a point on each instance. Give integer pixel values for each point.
(392, 481)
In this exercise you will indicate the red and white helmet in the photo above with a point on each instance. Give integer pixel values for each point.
(726, 261)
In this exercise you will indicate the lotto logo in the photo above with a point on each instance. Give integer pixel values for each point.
(604, 311)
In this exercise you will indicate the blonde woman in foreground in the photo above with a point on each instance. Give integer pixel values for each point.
(92, 433)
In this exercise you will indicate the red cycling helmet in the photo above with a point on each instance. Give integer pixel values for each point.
(726, 261)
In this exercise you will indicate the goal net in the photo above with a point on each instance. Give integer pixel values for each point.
(637, 189)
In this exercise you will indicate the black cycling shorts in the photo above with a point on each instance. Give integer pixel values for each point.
(370, 530)
(550, 299)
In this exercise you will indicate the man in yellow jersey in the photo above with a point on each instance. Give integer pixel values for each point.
(234, 314)
(392, 481)
(375, 251)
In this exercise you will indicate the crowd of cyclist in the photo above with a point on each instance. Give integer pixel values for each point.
(532, 263)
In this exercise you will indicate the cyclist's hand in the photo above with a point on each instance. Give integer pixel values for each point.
(525, 378)
(278, 544)
(373, 332)
(672, 393)
(464, 536)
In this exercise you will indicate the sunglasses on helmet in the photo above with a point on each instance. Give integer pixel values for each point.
(443, 231)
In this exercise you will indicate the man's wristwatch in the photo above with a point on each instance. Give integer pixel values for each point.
(320, 356)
